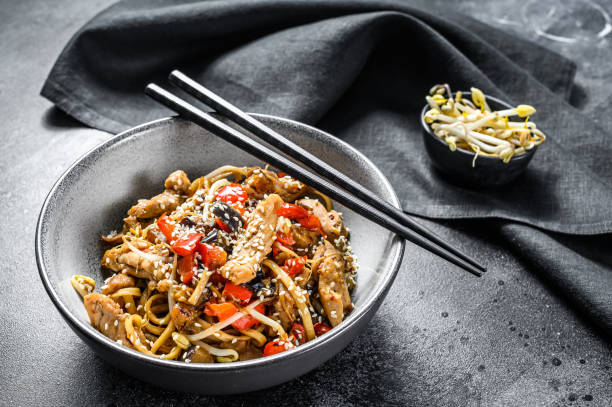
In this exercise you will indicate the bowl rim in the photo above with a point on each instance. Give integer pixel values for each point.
(92, 334)
(471, 154)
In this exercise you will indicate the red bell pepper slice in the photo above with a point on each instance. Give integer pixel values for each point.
(294, 265)
(237, 292)
(299, 332)
(313, 224)
(301, 215)
(164, 225)
(277, 346)
(247, 321)
(222, 311)
(186, 245)
(232, 193)
(239, 207)
(292, 211)
(212, 257)
(285, 238)
(185, 268)
(276, 248)
(320, 328)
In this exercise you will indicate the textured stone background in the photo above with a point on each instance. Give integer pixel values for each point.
(441, 337)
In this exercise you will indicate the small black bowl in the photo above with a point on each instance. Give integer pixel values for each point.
(457, 165)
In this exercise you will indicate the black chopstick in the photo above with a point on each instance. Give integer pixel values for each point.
(262, 131)
(277, 160)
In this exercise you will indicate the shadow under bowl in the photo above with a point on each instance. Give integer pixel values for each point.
(95, 193)
(457, 165)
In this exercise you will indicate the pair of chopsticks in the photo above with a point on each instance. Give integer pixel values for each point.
(350, 194)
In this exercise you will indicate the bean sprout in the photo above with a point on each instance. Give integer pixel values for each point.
(472, 125)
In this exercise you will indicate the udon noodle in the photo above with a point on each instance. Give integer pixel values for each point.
(235, 265)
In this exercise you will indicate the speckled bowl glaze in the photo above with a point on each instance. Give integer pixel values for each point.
(457, 165)
(94, 194)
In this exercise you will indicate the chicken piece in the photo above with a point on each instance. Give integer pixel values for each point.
(333, 290)
(113, 237)
(178, 182)
(107, 317)
(111, 256)
(336, 224)
(167, 201)
(263, 182)
(331, 221)
(184, 317)
(138, 263)
(255, 244)
(120, 258)
(117, 282)
(130, 222)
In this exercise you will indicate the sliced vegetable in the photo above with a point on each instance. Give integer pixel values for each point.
(211, 237)
(232, 193)
(301, 215)
(187, 245)
(277, 346)
(237, 292)
(164, 225)
(247, 321)
(312, 223)
(285, 238)
(292, 211)
(227, 217)
(294, 265)
(222, 311)
(185, 268)
(298, 332)
(212, 257)
(276, 249)
(321, 328)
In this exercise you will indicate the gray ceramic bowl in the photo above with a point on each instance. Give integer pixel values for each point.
(457, 165)
(93, 195)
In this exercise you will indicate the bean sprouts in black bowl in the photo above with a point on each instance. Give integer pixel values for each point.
(473, 142)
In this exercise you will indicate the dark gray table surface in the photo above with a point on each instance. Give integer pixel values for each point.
(441, 337)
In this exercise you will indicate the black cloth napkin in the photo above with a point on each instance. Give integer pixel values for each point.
(360, 70)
